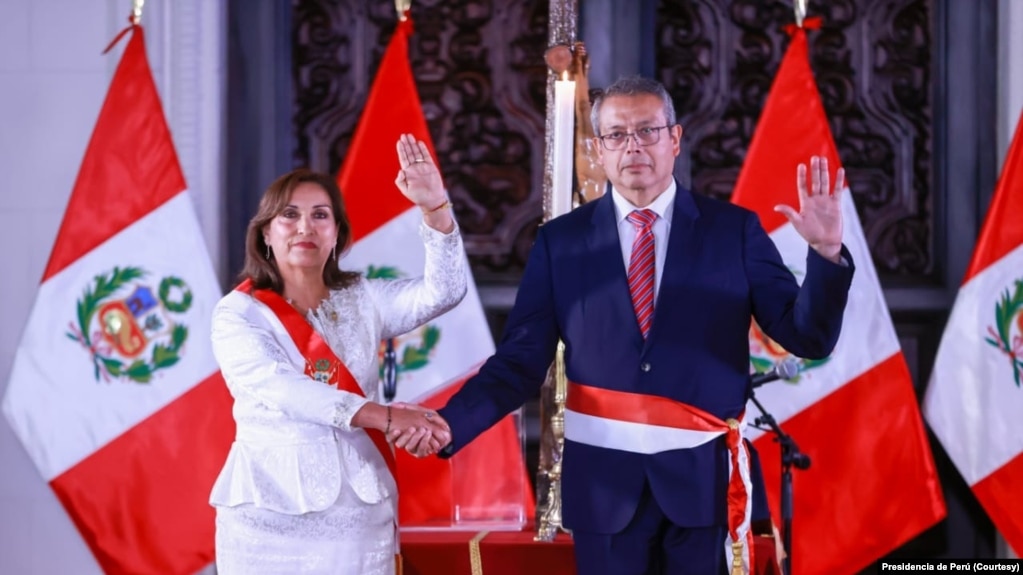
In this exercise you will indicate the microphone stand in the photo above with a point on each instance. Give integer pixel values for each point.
(790, 456)
(390, 371)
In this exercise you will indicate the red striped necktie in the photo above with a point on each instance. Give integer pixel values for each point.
(641, 268)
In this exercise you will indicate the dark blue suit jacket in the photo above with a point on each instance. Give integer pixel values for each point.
(721, 270)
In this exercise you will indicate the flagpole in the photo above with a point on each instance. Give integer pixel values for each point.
(790, 457)
(561, 25)
(390, 383)
(790, 454)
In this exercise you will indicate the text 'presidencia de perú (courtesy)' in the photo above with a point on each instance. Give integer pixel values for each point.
(954, 565)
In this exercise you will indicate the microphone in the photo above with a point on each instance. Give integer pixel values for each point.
(786, 369)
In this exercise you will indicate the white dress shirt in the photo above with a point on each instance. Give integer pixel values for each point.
(663, 206)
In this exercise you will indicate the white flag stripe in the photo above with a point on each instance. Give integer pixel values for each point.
(976, 415)
(868, 334)
(465, 339)
(65, 415)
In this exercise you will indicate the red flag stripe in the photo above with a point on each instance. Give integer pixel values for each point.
(130, 150)
(1002, 231)
(846, 517)
(872, 415)
(392, 108)
(996, 493)
(141, 501)
(760, 186)
(428, 486)
(971, 401)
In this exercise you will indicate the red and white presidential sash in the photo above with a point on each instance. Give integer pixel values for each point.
(651, 424)
(320, 361)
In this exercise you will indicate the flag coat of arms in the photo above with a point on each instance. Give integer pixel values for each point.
(975, 396)
(114, 392)
(872, 484)
(433, 361)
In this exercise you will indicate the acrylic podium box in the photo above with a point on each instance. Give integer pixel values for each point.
(484, 487)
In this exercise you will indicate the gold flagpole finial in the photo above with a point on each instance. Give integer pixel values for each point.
(402, 6)
(136, 11)
(800, 7)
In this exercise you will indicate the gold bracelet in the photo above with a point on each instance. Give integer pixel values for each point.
(446, 204)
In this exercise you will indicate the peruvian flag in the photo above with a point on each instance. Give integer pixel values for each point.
(115, 393)
(975, 396)
(872, 484)
(487, 480)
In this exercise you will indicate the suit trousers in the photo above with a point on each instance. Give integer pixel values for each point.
(651, 545)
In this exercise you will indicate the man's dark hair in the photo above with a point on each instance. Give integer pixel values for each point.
(632, 86)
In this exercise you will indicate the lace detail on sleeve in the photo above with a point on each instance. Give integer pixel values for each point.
(407, 303)
(344, 411)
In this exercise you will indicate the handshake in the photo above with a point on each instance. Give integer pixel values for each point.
(416, 429)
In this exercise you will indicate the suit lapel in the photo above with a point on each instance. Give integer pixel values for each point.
(679, 262)
(606, 276)
(604, 249)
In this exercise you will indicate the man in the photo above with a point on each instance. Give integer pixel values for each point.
(654, 309)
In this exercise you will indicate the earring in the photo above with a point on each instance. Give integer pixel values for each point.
(268, 251)
(333, 252)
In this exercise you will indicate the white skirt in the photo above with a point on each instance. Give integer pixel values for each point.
(349, 538)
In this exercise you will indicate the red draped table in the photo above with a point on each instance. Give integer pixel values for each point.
(514, 553)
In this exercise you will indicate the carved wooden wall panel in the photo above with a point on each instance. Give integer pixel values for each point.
(873, 63)
(482, 80)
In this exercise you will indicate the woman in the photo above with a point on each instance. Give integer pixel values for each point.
(308, 485)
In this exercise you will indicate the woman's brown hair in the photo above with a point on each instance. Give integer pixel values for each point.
(262, 270)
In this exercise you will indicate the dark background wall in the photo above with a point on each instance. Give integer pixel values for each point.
(908, 85)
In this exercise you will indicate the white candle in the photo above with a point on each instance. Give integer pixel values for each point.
(563, 153)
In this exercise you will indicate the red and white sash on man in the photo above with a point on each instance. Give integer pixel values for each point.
(651, 424)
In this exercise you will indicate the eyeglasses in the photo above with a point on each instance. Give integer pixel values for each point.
(644, 137)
